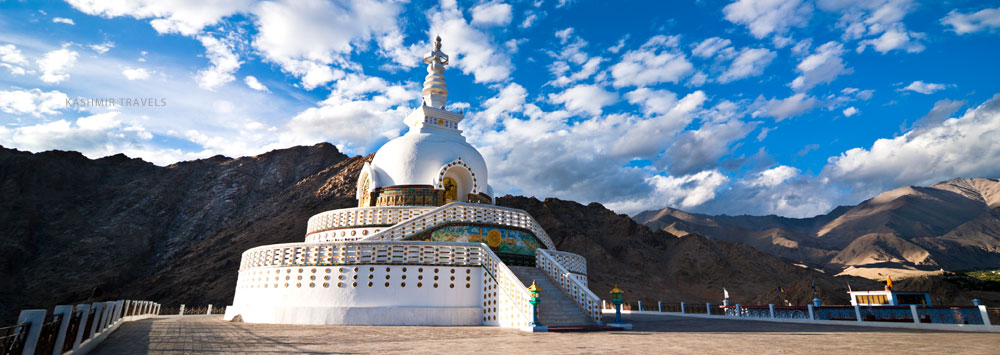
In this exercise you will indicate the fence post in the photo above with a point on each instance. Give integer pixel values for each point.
(640, 306)
(106, 315)
(857, 312)
(84, 317)
(682, 308)
(604, 304)
(209, 309)
(157, 308)
(35, 317)
(708, 308)
(771, 307)
(739, 310)
(984, 314)
(182, 310)
(67, 314)
(128, 308)
(811, 316)
(97, 307)
(659, 306)
(913, 311)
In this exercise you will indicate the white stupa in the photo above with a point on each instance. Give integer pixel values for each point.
(425, 246)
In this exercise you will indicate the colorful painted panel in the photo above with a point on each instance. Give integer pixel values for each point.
(502, 241)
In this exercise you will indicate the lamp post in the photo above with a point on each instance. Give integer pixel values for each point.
(616, 299)
(534, 300)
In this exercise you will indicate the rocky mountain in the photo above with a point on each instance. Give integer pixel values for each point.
(74, 230)
(951, 225)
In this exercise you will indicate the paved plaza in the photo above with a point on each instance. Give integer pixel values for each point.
(652, 334)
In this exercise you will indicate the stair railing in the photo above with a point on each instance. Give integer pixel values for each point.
(509, 296)
(576, 290)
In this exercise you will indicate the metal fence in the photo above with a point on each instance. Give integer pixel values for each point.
(44, 333)
(12, 338)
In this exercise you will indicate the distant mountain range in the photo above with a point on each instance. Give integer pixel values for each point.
(951, 225)
(74, 229)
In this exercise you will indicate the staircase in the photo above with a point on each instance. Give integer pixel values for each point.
(556, 309)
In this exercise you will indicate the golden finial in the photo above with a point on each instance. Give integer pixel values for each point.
(533, 287)
(616, 289)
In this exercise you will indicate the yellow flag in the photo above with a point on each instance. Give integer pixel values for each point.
(888, 281)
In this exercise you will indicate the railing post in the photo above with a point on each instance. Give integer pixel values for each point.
(708, 308)
(682, 308)
(35, 317)
(106, 315)
(771, 307)
(739, 310)
(128, 308)
(67, 314)
(640, 306)
(984, 314)
(913, 311)
(157, 309)
(209, 309)
(182, 310)
(97, 307)
(857, 312)
(811, 315)
(659, 306)
(84, 318)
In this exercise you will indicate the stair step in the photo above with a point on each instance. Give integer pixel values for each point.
(556, 308)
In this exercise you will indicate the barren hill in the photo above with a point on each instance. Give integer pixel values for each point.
(175, 234)
(954, 225)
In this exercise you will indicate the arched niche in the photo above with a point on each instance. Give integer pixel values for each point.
(463, 177)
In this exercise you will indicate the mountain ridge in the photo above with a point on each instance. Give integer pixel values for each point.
(911, 228)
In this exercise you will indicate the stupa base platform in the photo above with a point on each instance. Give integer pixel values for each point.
(398, 315)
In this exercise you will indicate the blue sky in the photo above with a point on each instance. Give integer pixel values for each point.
(749, 106)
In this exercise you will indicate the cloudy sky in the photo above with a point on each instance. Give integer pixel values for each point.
(738, 107)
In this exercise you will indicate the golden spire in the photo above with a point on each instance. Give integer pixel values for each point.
(533, 287)
(616, 289)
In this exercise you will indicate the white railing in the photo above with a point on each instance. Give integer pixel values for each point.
(350, 253)
(577, 291)
(76, 329)
(572, 262)
(362, 216)
(511, 308)
(468, 213)
(505, 298)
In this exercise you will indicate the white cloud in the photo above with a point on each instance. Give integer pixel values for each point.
(366, 111)
(892, 39)
(12, 59)
(850, 111)
(657, 61)
(255, 84)
(924, 88)
(955, 147)
(880, 22)
(784, 108)
(102, 48)
(750, 62)
(491, 14)
(529, 19)
(63, 20)
(34, 102)
(764, 17)
(584, 98)
(95, 136)
(968, 23)
(135, 74)
(653, 102)
(55, 64)
(710, 46)
(224, 63)
(334, 30)
(774, 176)
(689, 190)
(700, 149)
(169, 16)
(471, 50)
(821, 67)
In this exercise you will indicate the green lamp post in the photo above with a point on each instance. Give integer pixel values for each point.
(534, 300)
(616, 299)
